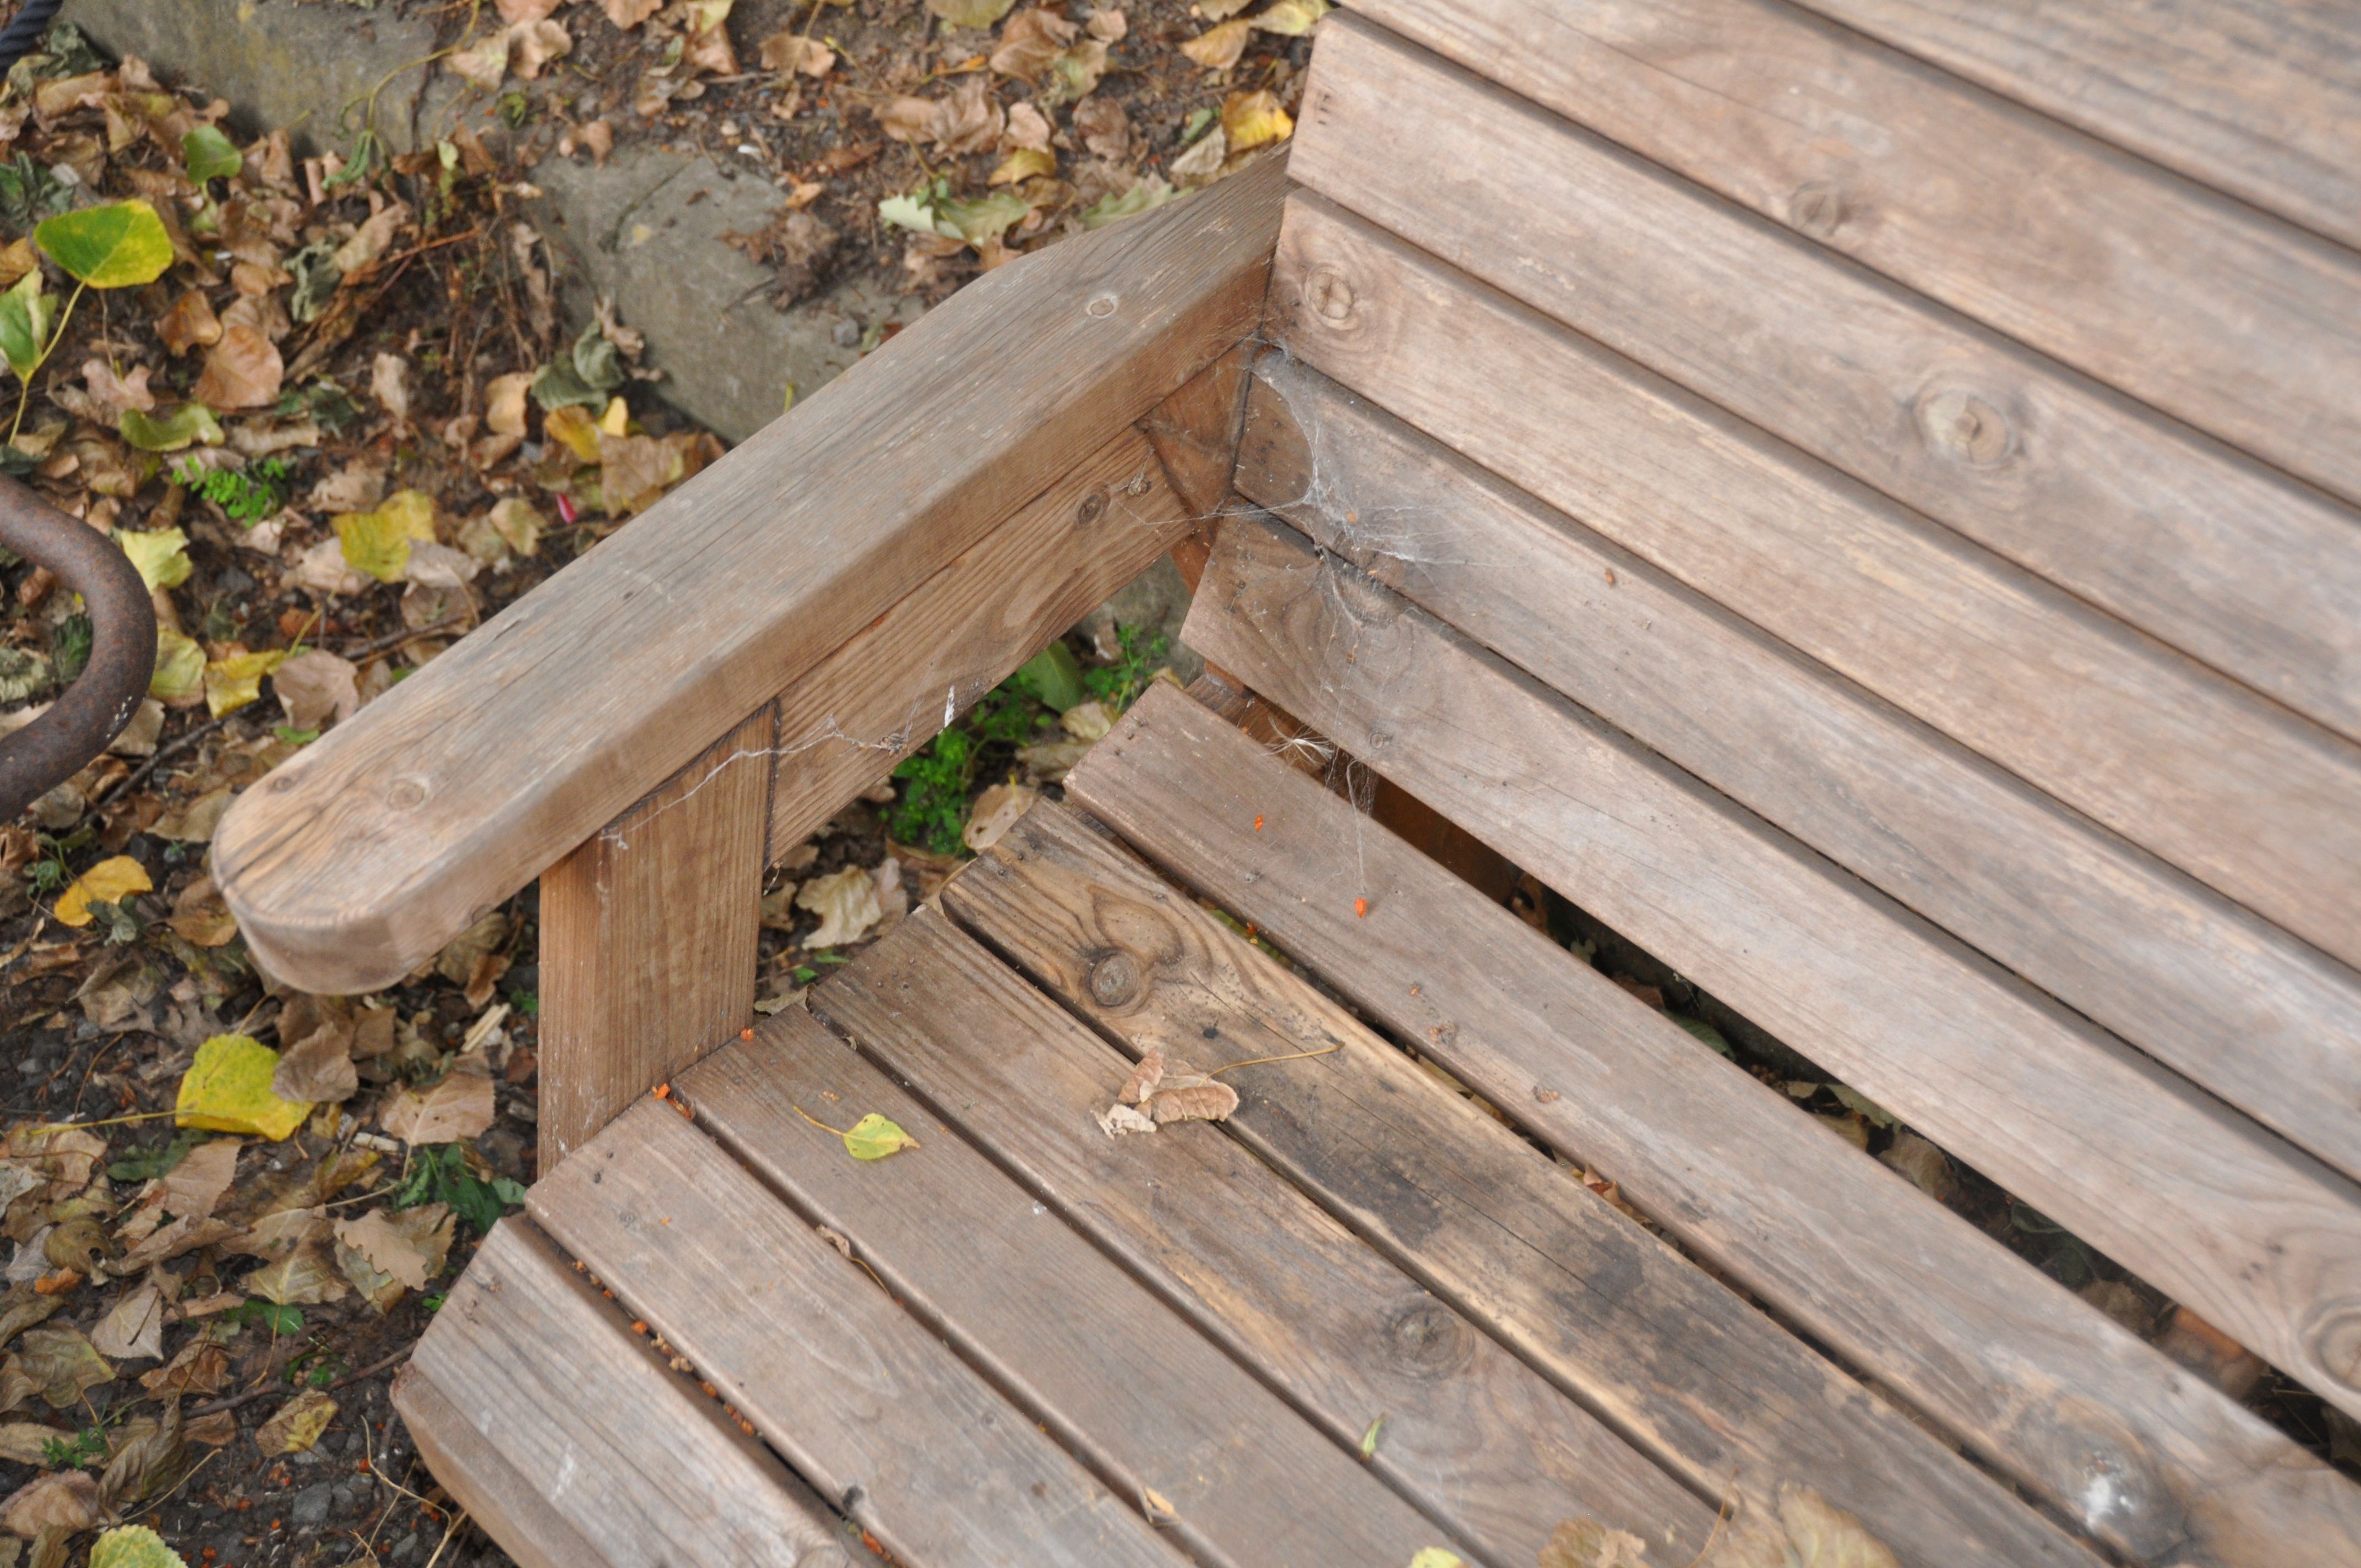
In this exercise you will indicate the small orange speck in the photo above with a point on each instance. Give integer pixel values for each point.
(639, 1326)
(1250, 930)
(667, 1219)
(1415, 990)
(1258, 824)
(1360, 909)
(746, 1033)
(746, 1427)
(662, 1091)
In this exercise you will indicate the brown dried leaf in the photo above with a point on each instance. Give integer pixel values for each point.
(318, 1069)
(629, 14)
(303, 1277)
(1211, 1100)
(1218, 49)
(1030, 41)
(147, 1455)
(65, 1500)
(317, 688)
(413, 1245)
(201, 917)
(847, 904)
(1104, 128)
(1145, 1076)
(794, 51)
(189, 1190)
(27, 1442)
(61, 1362)
(461, 1106)
(533, 45)
(218, 1429)
(200, 1367)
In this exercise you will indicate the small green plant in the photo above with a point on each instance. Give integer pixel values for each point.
(147, 1164)
(122, 927)
(87, 1446)
(526, 1002)
(249, 494)
(439, 1173)
(279, 1321)
(1118, 684)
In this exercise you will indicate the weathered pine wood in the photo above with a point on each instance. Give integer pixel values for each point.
(1195, 430)
(2046, 1390)
(1707, 1386)
(2254, 1234)
(381, 842)
(890, 689)
(2238, 566)
(648, 936)
(2255, 802)
(866, 1403)
(1116, 1375)
(2262, 99)
(576, 1447)
(1472, 1434)
(2229, 1000)
(2205, 309)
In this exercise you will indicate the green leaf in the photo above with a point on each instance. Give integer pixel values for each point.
(911, 211)
(118, 245)
(269, 1316)
(1708, 1034)
(27, 318)
(1369, 1438)
(162, 555)
(983, 217)
(1053, 675)
(184, 425)
(1145, 193)
(133, 1546)
(210, 155)
(875, 1137)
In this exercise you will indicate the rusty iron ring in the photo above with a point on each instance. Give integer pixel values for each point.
(94, 710)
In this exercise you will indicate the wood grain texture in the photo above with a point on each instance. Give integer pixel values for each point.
(1706, 1384)
(1118, 1376)
(648, 939)
(2053, 1393)
(892, 688)
(2255, 802)
(2255, 1235)
(2259, 98)
(1195, 430)
(576, 1447)
(867, 1405)
(2215, 314)
(1472, 1434)
(2228, 999)
(2231, 564)
(385, 838)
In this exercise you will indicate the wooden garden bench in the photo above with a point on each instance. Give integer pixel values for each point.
(1858, 498)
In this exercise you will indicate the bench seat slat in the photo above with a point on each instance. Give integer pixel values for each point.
(2257, 1236)
(2044, 1386)
(872, 1410)
(1116, 1374)
(1709, 1385)
(2238, 566)
(2202, 308)
(2227, 999)
(1472, 1434)
(2258, 804)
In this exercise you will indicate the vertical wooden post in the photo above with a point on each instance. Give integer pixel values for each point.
(648, 936)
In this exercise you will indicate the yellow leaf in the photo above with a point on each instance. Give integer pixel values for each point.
(617, 419)
(1217, 49)
(134, 1546)
(298, 1424)
(227, 1089)
(109, 882)
(1250, 119)
(379, 542)
(1437, 1557)
(232, 683)
(1292, 17)
(875, 1137)
(162, 555)
(1024, 164)
(576, 430)
(179, 668)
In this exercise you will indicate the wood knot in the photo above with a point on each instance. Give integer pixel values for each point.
(1093, 508)
(1103, 305)
(1115, 980)
(1964, 427)
(1817, 208)
(1427, 1338)
(2335, 1341)
(406, 793)
(1330, 297)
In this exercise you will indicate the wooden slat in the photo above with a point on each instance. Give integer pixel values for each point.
(2253, 801)
(1195, 430)
(1706, 1385)
(2257, 1236)
(2260, 100)
(2053, 1393)
(1472, 1434)
(648, 938)
(890, 689)
(868, 1405)
(2210, 311)
(2228, 999)
(2239, 568)
(1114, 1373)
(534, 1406)
(381, 841)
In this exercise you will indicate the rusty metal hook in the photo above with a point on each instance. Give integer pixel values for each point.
(94, 710)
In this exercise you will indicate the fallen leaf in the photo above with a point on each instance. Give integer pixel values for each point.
(356, 487)
(109, 882)
(112, 393)
(1104, 128)
(317, 688)
(27, 1442)
(1211, 1100)
(1437, 1557)
(66, 1500)
(1029, 130)
(61, 1363)
(1218, 48)
(1119, 1118)
(1291, 18)
(192, 1189)
(533, 45)
(504, 400)
(970, 13)
(630, 13)
(1370, 1450)
(189, 323)
(194, 822)
(527, 10)
(1030, 42)
(875, 1137)
(1250, 119)
(134, 1328)
(1203, 160)
(134, 1546)
(413, 1245)
(390, 385)
(218, 1429)
(227, 1089)
(1146, 1074)
(996, 811)
(200, 1367)
(794, 51)
(318, 1069)
(120, 245)
(847, 904)
(161, 554)
(1926, 1166)
(170, 430)
(303, 1277)
(243, 370)
(297, 1424)
(460, 1106)
(232, 683)
(377, 541)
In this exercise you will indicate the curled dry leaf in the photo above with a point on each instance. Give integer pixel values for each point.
(65, 1500)
(192, 1189)
(390, 384)
(356, 487)
(514, 11)
(460, 1106)
(1104, 128)
(996, 811)
(1027, 131)
(1030, 42)
(200, 1367)
(1203, 160)
(242, 371)
(297, 1424)
(317, 688)
(134, 1329)
(1218, 48)
(630, 13)
(1210, 1100)
(1109, 25)
(533, 45)
(318, 1070)
(413, 1245)
(847, 904)
(794, 51)
(304, 1278)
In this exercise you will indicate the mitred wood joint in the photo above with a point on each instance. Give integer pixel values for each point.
(648, 935)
